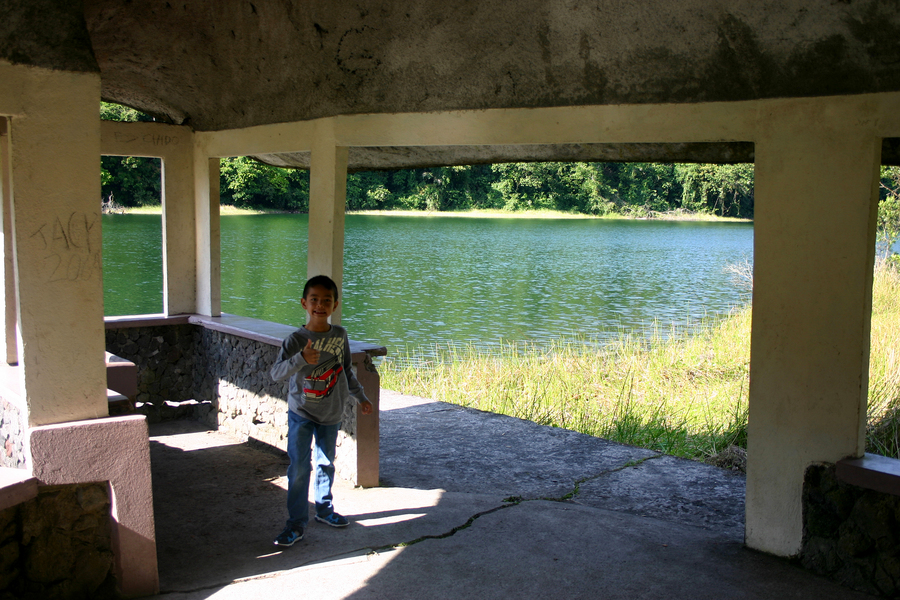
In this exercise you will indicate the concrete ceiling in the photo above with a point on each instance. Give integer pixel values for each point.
(235, 63)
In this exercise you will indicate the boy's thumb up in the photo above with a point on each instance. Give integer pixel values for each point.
(310, 354)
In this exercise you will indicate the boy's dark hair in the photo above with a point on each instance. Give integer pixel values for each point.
(325, 281)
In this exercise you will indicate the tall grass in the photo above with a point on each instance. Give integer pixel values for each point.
(883, 426)
(682, 395)
(685, 395)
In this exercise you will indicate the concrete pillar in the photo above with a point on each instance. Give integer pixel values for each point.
(207, 237)
(55, 157)
(55, 141)
(179, 224)
(327, 203)
(814, 242)
(8, 273)
(368, 427)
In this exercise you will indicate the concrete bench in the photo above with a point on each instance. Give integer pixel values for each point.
(121, 383)
(872, 471)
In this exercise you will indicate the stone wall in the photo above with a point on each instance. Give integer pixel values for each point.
(851, 534)
(58, 545)
(164, 356)
(221, 379)
(232, 373)
(12, 436)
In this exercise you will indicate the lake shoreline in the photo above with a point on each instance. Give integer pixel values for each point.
(227, 210)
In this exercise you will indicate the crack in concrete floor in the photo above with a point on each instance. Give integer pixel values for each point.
(510, 502)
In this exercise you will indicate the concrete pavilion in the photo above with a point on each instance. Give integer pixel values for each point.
(807, 90)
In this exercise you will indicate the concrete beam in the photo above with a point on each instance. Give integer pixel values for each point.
(419, 157)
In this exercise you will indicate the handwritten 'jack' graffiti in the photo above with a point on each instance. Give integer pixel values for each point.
(72, 247)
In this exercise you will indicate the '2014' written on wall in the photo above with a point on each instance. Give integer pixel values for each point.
(70, 252)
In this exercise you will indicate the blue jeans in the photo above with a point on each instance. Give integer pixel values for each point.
(301, 433)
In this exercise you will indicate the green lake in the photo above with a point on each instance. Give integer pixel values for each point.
(420, 281)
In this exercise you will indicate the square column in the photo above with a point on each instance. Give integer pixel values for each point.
(327, 204)
(208, 235)
(55, 164)
(179, 226)
(814, 244)
(8, 274)
(55, 142)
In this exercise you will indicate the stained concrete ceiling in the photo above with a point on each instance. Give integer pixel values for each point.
(235, 63)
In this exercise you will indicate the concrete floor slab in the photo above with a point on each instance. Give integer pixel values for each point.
(674, 489)
(637, 525)
(440, 445)
(219, 504)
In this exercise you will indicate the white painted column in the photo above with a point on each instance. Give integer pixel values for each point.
(178, 222)
(327, 203)
(8, 273)
(814, 241)
(208, 237)
(55, 157)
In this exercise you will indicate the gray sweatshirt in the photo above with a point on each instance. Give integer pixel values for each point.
(318, 392)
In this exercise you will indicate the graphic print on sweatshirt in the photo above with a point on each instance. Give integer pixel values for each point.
(320, 383)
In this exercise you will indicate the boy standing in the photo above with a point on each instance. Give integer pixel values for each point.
(316, 358)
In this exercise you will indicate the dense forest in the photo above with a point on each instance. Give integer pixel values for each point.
(632, 189)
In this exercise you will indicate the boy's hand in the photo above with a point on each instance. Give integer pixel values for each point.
(310, 354)
(366, 407)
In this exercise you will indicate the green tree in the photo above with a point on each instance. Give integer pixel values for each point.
(888, 226)
(645, 188)
(594, 193)
(118, 112)
(247, 183)
(368, 190)
(524, 186)
(129, 180)
(726, 190)
(435, 189)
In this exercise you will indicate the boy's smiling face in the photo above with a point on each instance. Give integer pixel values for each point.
(319, 303)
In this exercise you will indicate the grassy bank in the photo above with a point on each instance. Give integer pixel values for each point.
(883, 426)
(226, 209)
(684, 395)
(675, 215)
(156, 209)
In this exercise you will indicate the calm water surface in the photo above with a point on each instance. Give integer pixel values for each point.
(421, 281)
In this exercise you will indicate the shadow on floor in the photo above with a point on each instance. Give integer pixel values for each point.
(471, 505)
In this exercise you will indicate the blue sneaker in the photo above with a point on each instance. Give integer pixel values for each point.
(289, 537)
(334, 520)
